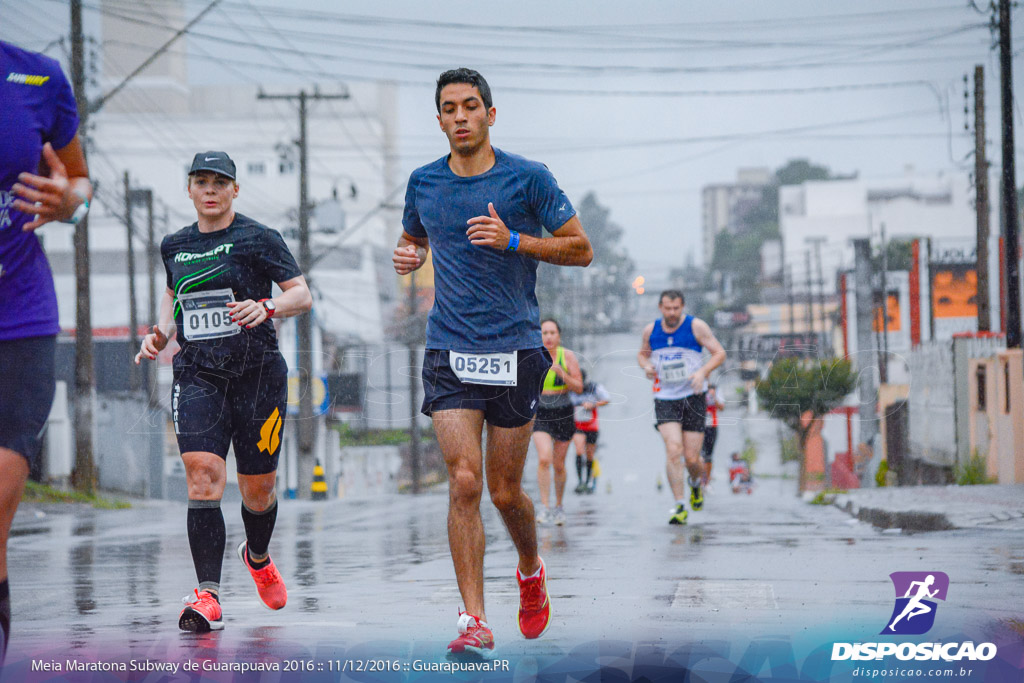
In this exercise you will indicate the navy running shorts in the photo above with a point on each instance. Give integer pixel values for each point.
(560, 423)
(27, 384)
(215, 408)
(503, 406)
(690, 412)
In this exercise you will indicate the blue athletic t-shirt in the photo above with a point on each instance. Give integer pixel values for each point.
(484, 299)
(36, 106)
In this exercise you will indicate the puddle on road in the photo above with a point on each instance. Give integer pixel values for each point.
(724, 595)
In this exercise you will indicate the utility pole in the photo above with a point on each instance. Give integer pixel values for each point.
(84, 476)
(1013, 327)
(817, 242)
(789, 297)
(981, 199)
(864, 315)
(810, 300)
(134, 371)
(151, 267)
(306, 425)
(883, 361)
(414, 431)
(145, 197)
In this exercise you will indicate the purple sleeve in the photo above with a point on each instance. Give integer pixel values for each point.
(65, 111)
(411, 217)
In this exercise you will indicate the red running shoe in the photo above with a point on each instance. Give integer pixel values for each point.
(269, 583)
(475, 638)
(202, 613)
(534, 604)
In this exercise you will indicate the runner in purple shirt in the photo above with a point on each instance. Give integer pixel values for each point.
(43, 178)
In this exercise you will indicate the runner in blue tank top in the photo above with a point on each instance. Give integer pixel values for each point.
(672, 354)
(481, 211)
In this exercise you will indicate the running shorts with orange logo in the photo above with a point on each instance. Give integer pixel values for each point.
(214, 408)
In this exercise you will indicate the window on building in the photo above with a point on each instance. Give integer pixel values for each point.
(1006, 374)
(980, 376)
(257, 168)
(286, 167)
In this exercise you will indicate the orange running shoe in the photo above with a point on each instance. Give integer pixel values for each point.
(475, 639)
(202, 613)
(534, 603)
(269, 583)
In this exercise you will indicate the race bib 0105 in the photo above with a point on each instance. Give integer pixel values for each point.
(484, 368)
(205, 315)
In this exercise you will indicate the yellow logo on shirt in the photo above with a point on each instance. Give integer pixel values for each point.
(26, 79)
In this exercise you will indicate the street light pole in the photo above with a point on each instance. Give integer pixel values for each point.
(1011, 219)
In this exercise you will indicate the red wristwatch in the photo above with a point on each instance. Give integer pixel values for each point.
(269, 306)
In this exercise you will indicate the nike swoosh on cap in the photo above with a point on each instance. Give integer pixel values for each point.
(211, 158)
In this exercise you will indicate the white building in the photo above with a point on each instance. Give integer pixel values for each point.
(723, 203)
(938, 206)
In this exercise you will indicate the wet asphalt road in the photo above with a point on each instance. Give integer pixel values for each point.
(375, 575)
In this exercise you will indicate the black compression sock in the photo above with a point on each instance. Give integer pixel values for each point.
(5, 618)
(206, 538)
(590, 469)
(579, 467)
(259, 527)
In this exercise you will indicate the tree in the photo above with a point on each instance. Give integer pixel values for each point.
(793, 387)
(601, 297)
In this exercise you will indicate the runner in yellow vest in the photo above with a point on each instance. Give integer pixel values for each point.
(555, 423)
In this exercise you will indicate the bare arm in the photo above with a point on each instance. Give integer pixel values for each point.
(154, 342)
(643, 356)
(410, 254)
(703, 334)
(567, 246)
(573, 378)
(55, 197)
(293, 300)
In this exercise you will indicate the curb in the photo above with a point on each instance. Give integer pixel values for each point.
(908, 520)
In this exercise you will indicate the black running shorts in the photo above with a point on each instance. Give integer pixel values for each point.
(27, 385)
(591, 436)
(560, 423)
(690, 412)
(710, 436)
(215, 408)
(503, 406)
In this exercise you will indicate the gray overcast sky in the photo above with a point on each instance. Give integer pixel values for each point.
(636, 101)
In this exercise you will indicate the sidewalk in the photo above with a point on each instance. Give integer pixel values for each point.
(936, 508)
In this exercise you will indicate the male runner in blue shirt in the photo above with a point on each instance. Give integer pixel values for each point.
(482, 211)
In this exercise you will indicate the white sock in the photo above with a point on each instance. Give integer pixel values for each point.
(535, 574)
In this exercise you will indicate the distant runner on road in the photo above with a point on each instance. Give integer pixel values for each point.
(482, 211)
(230, 380)
(554, 426)
(671, 354)
(587, 402)
(710, 432)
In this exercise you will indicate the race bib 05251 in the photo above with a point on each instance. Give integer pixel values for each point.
(484, 368)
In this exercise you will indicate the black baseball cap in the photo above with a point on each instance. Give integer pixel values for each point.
(218, 162)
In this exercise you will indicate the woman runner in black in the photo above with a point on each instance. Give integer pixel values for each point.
(230, 380)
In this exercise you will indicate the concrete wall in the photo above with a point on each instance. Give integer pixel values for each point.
(932, 404)
(995, 413)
